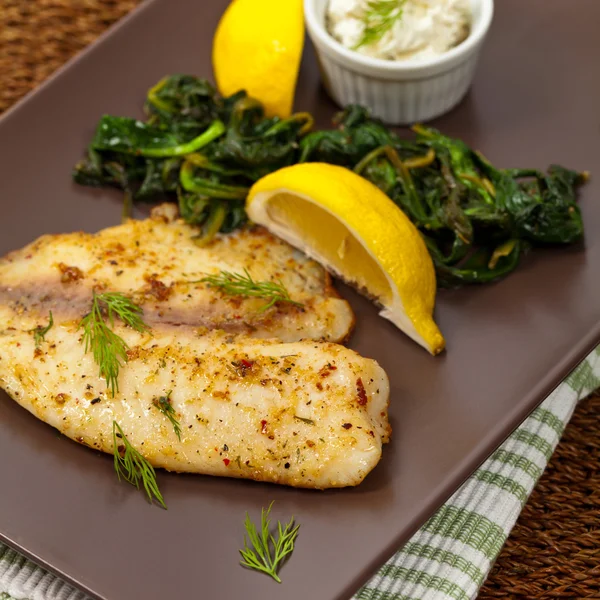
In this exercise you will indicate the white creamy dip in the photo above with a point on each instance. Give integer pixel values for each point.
(426, 28)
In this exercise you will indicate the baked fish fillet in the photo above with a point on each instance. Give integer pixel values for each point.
(305, 414)
(156, 262)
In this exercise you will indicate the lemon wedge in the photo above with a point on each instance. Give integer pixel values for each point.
(355, 231)
(257, 48)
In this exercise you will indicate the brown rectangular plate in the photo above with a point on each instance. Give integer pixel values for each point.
(535, 101)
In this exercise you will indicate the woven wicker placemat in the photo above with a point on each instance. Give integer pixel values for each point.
(554, 551)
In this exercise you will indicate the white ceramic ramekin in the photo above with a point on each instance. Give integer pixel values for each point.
(398, 92)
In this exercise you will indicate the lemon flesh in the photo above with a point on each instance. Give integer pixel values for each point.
(257, 48)
(346, 223)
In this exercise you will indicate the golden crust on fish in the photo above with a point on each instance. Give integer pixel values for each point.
(305, 414)
(293, 411)
(156, 262)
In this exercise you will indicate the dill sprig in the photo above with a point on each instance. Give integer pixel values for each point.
(236, 284)
(133, 467)
(379, 18)
(109, 349)
(267, 552)
(163, 403)
(39, 332)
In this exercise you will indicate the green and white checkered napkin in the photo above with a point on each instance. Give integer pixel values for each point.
(451, 555)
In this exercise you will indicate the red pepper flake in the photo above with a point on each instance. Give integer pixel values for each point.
(347, 425)
(226, 461)
(362, 394)
(326, 370)
(263, 425)
(243, 366)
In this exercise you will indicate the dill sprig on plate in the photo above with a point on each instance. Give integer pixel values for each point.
(39, 332)
(163, 403)
(109, 349)
(236, 284)
(379, 18)
(268, 552)
(133, 467)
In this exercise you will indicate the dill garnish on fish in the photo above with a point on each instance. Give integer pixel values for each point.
(133, 467)
(109, 349)
(236, 284)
